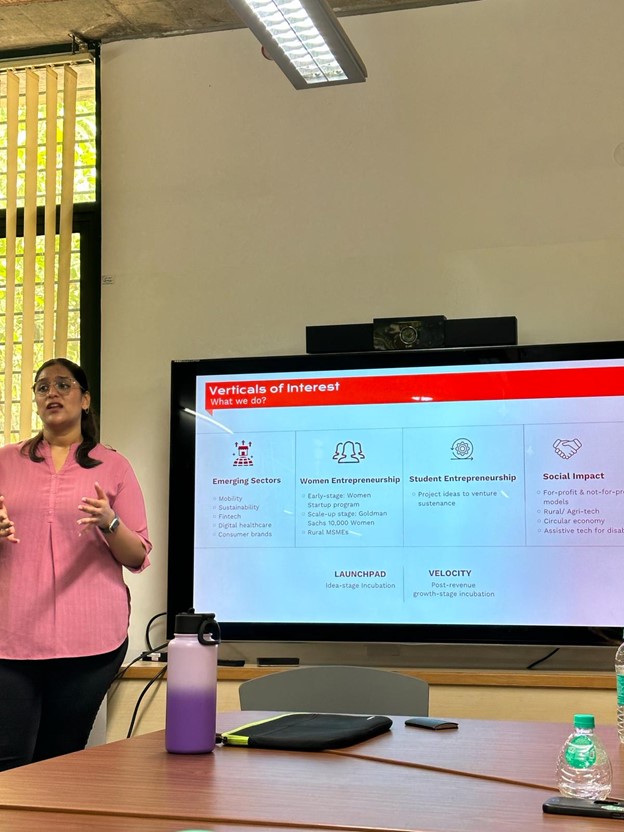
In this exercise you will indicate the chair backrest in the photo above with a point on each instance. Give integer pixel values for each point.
(337, 689)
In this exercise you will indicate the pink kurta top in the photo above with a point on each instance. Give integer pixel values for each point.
(62, 593)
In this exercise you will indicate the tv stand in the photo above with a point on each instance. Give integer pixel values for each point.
(447, 656)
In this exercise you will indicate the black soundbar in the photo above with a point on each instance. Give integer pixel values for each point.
(458, 332)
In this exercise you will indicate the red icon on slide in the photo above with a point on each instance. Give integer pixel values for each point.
(242, 457)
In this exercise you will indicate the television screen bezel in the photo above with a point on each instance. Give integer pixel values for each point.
(182, 484)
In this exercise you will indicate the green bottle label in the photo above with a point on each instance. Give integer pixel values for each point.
(581, 752)
(620, 689)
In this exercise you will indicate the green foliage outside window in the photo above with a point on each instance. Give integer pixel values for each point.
(84, 191)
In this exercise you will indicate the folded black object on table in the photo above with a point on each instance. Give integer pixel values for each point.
(307, 731)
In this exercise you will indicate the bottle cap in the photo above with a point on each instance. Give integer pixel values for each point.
(187, 623)
(584, 721)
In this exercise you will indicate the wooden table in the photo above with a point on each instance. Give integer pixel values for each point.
(23, 820)
(389, 783)
(514, 752)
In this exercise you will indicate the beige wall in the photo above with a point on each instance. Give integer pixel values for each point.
(473, 174)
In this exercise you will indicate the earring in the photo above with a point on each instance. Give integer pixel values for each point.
(86, 411)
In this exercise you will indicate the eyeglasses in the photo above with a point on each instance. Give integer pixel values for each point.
(63, 386)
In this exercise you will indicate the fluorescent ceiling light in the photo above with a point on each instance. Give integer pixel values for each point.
(305, 40)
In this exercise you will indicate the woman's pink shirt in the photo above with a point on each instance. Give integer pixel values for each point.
(62, 592)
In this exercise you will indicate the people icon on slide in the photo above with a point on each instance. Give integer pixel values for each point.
(348, 452)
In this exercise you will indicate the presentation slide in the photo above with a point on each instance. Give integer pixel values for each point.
(470, 495)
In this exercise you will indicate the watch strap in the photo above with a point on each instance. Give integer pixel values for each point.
(114, 523)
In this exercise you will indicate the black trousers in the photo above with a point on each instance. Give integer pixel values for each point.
(48, 706)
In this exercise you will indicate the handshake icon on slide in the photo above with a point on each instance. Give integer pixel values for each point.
(565, 448)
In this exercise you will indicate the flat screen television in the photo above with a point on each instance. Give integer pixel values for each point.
(454, 495)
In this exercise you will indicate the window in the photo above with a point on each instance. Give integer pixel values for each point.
(49, 229)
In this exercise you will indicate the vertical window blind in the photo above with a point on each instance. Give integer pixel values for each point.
(47, 164)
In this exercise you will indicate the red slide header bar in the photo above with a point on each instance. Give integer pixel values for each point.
(431, 387)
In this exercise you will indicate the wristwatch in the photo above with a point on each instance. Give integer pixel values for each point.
(114, 523)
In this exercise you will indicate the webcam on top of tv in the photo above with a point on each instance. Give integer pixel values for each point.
(409, 333)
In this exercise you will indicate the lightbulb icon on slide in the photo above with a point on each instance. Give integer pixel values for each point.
(565, 448)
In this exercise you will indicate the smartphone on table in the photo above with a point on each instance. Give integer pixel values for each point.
(588, 808)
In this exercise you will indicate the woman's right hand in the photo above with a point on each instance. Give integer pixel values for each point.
(7, 529)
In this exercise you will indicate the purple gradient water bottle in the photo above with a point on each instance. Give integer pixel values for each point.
(192, 684)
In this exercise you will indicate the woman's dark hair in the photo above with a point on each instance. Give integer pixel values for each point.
(88, 425)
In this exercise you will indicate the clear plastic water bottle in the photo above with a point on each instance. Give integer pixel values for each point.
(619, 678)
(583, 767)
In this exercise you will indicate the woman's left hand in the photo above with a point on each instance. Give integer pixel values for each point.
(125, 545)
(97, 508)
